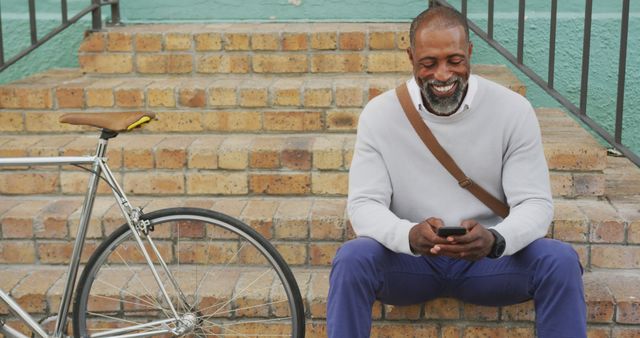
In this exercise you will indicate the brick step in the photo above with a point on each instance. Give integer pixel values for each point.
(248, 48)
(611, 296)
(271, 164)
(68, 90)
(307, 231)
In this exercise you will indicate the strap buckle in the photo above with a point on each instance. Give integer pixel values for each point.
(466, 182)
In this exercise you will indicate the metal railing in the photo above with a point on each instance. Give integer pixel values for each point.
(548, 85)
(95, 8)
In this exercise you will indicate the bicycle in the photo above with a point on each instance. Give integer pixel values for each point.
(172, 272)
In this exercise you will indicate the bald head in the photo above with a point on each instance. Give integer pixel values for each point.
(438, 17)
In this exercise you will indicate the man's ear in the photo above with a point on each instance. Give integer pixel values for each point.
(470, 49)
(410, 54)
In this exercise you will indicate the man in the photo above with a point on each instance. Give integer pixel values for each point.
(399, 195)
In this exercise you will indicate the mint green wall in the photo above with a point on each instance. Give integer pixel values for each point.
(61, 51)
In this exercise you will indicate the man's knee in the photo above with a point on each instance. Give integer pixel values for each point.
(358, 257)
(558, 256)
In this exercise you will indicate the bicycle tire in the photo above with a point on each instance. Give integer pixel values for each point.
(190, 240)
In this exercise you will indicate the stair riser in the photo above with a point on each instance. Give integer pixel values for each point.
(606, 305)
(253, 182)
(306, 231)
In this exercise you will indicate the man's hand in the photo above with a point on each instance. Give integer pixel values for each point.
(474, 245)
(423, 237)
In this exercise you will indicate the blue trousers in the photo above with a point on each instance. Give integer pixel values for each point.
(547, 271)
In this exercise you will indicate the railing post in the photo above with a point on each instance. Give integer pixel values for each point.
(622, 65)
(115, 14)
(32, 22)
(96, 16)
(552, 42)
(586, 47)
(63, 9)
(1, 41)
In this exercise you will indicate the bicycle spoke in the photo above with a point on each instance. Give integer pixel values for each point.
(140, 282)
(241, 293)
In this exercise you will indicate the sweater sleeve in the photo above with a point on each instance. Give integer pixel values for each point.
(525, 180)
(370, 192)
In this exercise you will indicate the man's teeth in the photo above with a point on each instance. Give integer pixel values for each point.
(443, 89)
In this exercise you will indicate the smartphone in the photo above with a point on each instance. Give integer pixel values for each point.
(447, 231)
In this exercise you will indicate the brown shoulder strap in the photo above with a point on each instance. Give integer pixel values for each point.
(497, 206)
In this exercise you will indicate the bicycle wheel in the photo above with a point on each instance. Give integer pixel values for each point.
(222, 277)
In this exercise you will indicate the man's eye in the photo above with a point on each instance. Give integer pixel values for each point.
(427, 65)
(455, 61)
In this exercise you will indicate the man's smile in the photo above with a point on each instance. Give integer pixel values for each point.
(444, 90)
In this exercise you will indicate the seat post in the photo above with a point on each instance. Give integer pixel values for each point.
(106, 134)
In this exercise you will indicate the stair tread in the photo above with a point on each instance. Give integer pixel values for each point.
(611, 295)
(69, 90)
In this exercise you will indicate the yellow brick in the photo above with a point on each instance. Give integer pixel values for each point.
(161, 96)
(232, 121)
(352, 40)
(177, 41)
(253, 97)
(130, 94)
(280, 63)
(265, 153)
(119, 42)
(388, 62)
(236, 41)
(192, 97)
(266, 41)
(280, 184)
(292, 121)
(222, 63)
(403, 40)
(100, 97)
(28, 183)
(106, 63)
(349, 96)
(294, 41)
(48, 121)
(217, 183)
(93, 42)
(26, 97)
(179, 63)
(318, 96)
(324, 40)
(223, 93)
(176, 121)
(234, 153)
(203, 152)
(75, 183)
(208, 42)
(343, 120)
(382, 40)
(154, 183)
(330, 183)
(286, 92)
(11, 121)
(327, 153)
(337, 63)
(148, 42)
(151, 63)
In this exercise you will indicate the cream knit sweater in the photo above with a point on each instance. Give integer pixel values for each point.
(395, 182)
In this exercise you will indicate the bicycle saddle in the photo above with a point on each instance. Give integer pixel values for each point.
(117, 122)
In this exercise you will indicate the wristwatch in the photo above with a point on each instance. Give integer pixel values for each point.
(499, 245)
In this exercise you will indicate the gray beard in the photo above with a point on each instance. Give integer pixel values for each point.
(444, 106)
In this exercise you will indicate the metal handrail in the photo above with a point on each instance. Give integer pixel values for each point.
(548, 85)
(96, 18)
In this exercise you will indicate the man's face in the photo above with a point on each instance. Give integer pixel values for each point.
(441, 66)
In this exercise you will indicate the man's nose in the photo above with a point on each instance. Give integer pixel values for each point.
(442, 73)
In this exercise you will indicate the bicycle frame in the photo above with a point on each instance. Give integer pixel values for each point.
(130, 214)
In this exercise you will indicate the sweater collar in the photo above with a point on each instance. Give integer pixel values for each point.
(467, 102)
